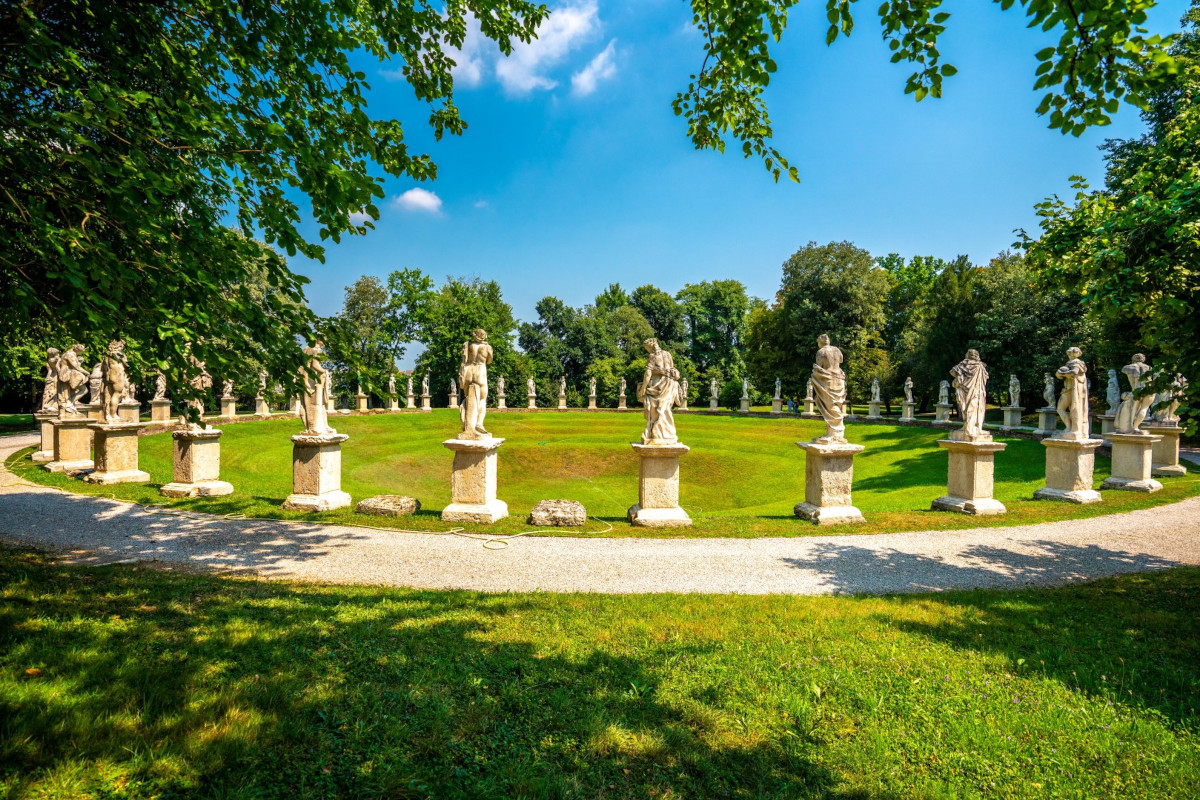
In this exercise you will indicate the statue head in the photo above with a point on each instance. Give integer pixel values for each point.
(1074, 352)
(972, 354)
(116, 346)
(651, 345)
(51, 352)
(1138, 358)
(823, 340)
(1112, 373)
(479, 335)
(78, 349)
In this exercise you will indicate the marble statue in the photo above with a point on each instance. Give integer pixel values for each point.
(683, 388)
(623, 385)
(227, 389)
(358, 392)
(908, 387)
(317, 387)
(114, 382)
(829, 386)
(592, 387)
(72, 380)
(1048, 392)
(1134, 405)
(562, 386)
(778, 387)
(391, 385)
(160, 385)
(262, 385)
(50, 390)
(201, 383)
(1113, 393)
(425, 384)
(94, 381)
(1073, 402)
(529, 387)
(130, 392)
(712, 388)
(408, 387)
(1169, 401)
(1014, 391)
(808, 389)
(970, 390)
(745, 388)
(944, 393)
(875, 391)
(659, 394)
(500, 385)
(472, 375)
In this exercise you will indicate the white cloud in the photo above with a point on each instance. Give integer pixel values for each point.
(482, 204)
(600, 68)
(469, 66)
(564, 30)
(419, 200)
(359, 217)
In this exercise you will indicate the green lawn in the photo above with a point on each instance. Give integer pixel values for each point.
(741, 478)
(133, 683)
(15, 423)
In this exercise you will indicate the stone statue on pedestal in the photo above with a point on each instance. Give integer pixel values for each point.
(262, 385)
(160, 385)
(683, 384)
(592, 387)
(227, 389)
(1073, 402)
(829, 387)
(472, 374)
(745, 388)
(1014, 391)
(944, 393)
(114, 382)
(623, 385)
(1170, 400)
(72, 380)
(500, 385)
(1113, 393)
(425, 384)
(875, 391)
(530, 389)
(50, 389)
(408, 388)
(908, 387)
(1134, 404)
(808, 389)
(659, 394)
(712, 389)
(391, 385)
(315, 407)
(1048, 392)
(562, 386)
(970, 390)
(778, 388)
(201, 383)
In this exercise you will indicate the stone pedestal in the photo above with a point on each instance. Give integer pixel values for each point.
(1012, 418)
(160, 410)
(500, 405)
(72, 450)
(809, 412)
(116, 454)
(317, 473)
(128, 411)
(591, 402)
(562, 402)
(744, 406)
(410, 401)
(425, 404)
(776, 405)
(298, 405)
(873, 410)
(970, 479)
(1132, 462)
(228, 407)
(906, 412)
(941, 414)
(197, 468)
(531, 403)
(683, 406)
(828, 476)
(393, 403)
(45, 451)
(658, 487)
(1106, 425)
(361, 402)
(1164, 454)
(261, 407)
(1069, 467)
(713, 404)
(473, 482)
(1047, 421)
(621, 403)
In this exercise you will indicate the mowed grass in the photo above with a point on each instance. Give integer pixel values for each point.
(15, 423)
(742, 477)
(134, 683)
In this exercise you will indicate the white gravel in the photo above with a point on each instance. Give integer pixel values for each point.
(91, 530)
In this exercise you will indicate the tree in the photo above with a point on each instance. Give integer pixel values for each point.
(1130, 250)
(410, 302)
(358, 344)
(716, 315)
(611, 299)
(664, 315)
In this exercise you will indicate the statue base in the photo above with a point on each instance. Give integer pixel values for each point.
(1069, 467)
(1164, 455)
(361, 402)
(45, 451)
(970, 483)
(473, 482)
(317, 473)
(410, 402)
(72, 451)
(197, 467)
(116, 459)
(658, 487)
(452, 401)
(500, 404)
(129, 411)
(1012, 418)
(1047, 421)
(592, 404)
(744, 405)
(1132, 459)
(531, 403)
(228, 407)
(562, 402)
(621, 404)
(942, 414)
(160, 410)
(713, 404)
(1106, 425)
(425, 404)
(393, 403)
(828, 477)
(776, 405)
(906, 411)
(873, 409)
(261, 407)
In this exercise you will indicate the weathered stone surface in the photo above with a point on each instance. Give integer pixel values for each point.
(1069, 467)
(1165, 453)
(658, 487)
(389, 505)
(558, 513)
(828, 477)
(116, 447)
(72, 451)
(1132, 462)
(473, 482)
(970, 481)
(317, 473)
(197, 466)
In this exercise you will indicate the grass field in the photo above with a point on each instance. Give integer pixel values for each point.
(14, 423)
(741, 478)
(133, 683)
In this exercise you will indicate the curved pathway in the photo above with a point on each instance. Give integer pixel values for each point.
(90, 530)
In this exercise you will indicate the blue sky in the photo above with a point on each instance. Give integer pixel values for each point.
(574, 173)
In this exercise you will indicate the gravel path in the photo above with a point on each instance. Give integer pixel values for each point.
(91, 530)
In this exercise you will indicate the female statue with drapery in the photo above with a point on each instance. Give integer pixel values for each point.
(659, 394)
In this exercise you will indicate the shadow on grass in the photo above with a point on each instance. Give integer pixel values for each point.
(218, 687)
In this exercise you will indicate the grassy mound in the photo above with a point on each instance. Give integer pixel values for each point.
(741, 478)
(127, 682)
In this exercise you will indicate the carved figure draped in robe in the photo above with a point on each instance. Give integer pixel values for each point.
(1014, 391)
(944, 393)
(659, 394)
(262, 385)
(425, 384)
(50, 390)
(1113, 393)
(745, 388)
(530, 389)
(314, 406)
(94, 381)
(227, 389)
(160, 385)
(908, 387)
(114, 381)
(1134, 403)
(408, 387)
(808, 389)
(623, 385)
(875, 391)
(1048, 391)
(592, 387)
(472, 375)
(970, 390)
(500, 385)
(1073, 402)
(562, 386)
(683, 389)
(72, 380)
(391, 385)
(778, 387)
(712, 389)
(829, 390)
